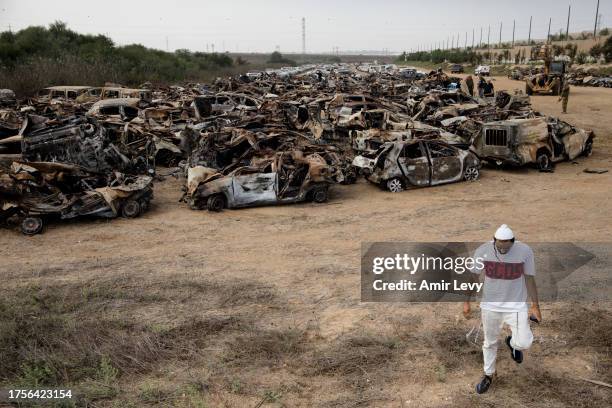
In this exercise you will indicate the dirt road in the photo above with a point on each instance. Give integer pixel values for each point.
(288, 277)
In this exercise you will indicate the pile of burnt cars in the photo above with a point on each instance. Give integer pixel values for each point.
(274, 137)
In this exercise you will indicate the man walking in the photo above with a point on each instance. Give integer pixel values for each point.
(565, 95)
(509, 279)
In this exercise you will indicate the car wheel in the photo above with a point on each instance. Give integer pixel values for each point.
(130, 209)
(395, 185)
(320, 195)
(144, 205)
(31, 225)
(215, 203)
(196, 204)
(543, 162)
(588, 148)
(472, 173)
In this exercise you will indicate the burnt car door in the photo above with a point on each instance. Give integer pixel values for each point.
(446, 165)
(414, 164)
(254, 189)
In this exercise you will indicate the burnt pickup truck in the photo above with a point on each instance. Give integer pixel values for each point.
(418, 163)
(541, 141)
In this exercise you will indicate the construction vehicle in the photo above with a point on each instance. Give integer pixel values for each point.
(550, 81)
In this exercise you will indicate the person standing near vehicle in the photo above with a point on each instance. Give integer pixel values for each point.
(509, 279)
(481, 85)
(565, 95)
(469, 82)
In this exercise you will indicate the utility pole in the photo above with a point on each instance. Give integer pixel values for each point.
(167, 50)
(549, 21)
(529, 39)
(513, 29)
(500, 33)
(480, 43)
(453, 43)
(489, 42)
(473, 31)
(596, 17)
(569, 12)
(465, 40)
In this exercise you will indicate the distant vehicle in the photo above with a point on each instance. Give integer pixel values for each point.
(551, 81)
(408, 73)
(539, 141)
(125, 108)
(418, 163)
(64, 92)
(7, 97)
(254, 75)
(456, 69)
(483, 70)
(288, 178)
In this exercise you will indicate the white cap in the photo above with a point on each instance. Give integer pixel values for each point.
(504, 232)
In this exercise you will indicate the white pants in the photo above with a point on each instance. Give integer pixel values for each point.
(492, 323)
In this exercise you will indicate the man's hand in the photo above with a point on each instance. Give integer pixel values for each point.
(534, 311)
(467, 309)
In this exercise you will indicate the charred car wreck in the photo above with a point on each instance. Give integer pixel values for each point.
(37, 192)
(539, 141)
(288, 177)
(397, 166)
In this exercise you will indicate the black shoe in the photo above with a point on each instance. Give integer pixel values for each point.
(517, 355)
(484, 384)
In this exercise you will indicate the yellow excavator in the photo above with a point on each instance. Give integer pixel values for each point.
(549, 82)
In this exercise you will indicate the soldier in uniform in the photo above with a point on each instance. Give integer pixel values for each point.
(565, 96)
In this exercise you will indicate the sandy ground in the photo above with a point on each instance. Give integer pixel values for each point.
(308, 255)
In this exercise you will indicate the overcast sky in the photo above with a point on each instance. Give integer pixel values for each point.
(264, 25)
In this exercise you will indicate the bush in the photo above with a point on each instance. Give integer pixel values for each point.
(277, 58)
(37, 56)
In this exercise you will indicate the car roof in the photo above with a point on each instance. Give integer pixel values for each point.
(116, 102)
(68, 87)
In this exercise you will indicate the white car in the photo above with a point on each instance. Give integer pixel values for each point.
(483, 70)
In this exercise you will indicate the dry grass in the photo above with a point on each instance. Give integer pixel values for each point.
(64, 334)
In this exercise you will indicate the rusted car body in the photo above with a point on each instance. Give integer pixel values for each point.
(37, 192)
(288, 177)
(418, 163)
(223, 102)
(540, 141)
(63, 92)
(121, 108)
(94, 94)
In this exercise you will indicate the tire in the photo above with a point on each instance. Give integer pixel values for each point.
(130, 209)
(543, 162)
(31, 225)
(196, 204)
(144, 206)
(320, 195)
(588, 148)
(215, 203)
(394, 185)
(471, 173)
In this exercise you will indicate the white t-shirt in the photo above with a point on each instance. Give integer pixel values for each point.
(504, 287)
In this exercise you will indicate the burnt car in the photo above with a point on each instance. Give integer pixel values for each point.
(287, 177)
(456, 69)
(417, 163)
(36, 192)
(541, 141)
